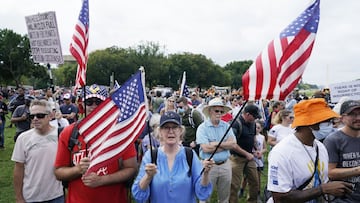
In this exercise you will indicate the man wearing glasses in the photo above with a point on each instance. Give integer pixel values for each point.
(208, 135)
(108, 183)
(344, 150)
(34, 155)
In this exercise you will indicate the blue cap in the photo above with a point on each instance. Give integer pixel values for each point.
(170, 117)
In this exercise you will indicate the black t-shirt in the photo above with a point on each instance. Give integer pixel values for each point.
(245, 135)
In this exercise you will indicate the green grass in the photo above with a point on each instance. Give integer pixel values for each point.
(6, 171)
(6, 167)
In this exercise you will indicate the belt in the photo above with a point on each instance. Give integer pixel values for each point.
(220, 162)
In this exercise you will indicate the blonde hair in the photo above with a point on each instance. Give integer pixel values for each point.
(281, 115)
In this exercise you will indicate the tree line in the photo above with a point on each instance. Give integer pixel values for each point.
(17, 67)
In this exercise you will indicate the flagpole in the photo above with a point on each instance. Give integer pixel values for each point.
(227, 130)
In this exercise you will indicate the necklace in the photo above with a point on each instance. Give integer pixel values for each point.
(308, 153)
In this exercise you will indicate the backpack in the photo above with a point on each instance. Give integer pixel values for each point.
(189, 157)
(191, 118)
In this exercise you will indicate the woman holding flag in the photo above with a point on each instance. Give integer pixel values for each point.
(169, 178)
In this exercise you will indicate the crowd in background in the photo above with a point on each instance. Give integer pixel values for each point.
(238, 160)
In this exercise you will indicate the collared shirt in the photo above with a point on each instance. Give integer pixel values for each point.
(207, 133)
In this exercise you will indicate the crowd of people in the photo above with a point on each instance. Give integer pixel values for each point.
(204, 142)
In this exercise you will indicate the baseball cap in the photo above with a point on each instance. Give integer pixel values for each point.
(67, 96)
(170, 117)
(312, 111)
(349, 106)
(97, 91)
(253, 110)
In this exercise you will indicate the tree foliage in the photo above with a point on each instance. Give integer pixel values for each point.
(17, 67)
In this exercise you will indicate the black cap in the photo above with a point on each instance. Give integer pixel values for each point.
(349, 106)
(170, 117)
(253, 110)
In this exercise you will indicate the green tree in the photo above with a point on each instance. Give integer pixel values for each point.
(237, 69)
(14, 56)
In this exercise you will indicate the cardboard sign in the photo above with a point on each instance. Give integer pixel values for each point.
(44, 38)
(346, 89)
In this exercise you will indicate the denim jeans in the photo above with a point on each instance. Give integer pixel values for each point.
(2, 136)
(60, 199)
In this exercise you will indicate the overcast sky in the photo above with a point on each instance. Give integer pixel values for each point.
(224, 31)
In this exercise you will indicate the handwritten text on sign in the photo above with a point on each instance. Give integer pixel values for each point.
(44, 38)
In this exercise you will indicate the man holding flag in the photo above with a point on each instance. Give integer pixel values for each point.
(107, 184)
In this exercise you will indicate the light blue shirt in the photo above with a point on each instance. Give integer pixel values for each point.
(172, 186)
(207, 133)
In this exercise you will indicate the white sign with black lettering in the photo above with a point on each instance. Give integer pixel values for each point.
(345, 89)
(44, 38)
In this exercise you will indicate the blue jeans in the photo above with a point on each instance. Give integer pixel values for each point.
(2, 136)
(60, 199)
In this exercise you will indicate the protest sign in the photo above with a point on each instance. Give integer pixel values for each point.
(44, 38)
(346, 89)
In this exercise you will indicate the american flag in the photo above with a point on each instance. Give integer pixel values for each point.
(115, 123)
(279, 67)
(184, 89)
(79, 44)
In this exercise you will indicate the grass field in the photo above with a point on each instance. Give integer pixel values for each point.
(7, 166)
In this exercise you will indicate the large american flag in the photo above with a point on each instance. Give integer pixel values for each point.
(79, 44)
(279, 67)
(115, 123)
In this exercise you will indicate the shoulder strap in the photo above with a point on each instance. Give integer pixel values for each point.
(301, 187)
(74, 137)
(189, 158)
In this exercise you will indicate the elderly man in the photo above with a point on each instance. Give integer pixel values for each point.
(344, 150)
(208, 135)
(298, 165)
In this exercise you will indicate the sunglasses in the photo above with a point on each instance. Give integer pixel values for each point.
(38, 115)
(219, 111)
(90, 102)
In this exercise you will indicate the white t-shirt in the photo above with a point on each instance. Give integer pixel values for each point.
(259, 144)
(38, 153)
(290, 165)
(279, 132)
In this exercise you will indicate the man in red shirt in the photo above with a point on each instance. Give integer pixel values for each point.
(108, 183)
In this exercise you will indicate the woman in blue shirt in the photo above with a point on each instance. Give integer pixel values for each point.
(168, 180)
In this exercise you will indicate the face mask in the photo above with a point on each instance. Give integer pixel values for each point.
(181, 110)
(324, 130)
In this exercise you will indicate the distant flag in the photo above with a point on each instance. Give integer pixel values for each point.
(116, 85)
(115, 123)
(184, 89)
(279, 67)
(79, 44)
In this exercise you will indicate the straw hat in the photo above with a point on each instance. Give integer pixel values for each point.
(215, 102)
(312, 111)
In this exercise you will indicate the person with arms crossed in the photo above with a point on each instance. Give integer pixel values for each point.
(34, 154)
(208, 135)
(344, 150)
(108, 184)
(298, 165)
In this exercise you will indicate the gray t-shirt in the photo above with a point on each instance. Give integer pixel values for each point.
(22, 126)
(345, 151)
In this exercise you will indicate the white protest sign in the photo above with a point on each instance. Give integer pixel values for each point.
(346, 89)
(44, 38)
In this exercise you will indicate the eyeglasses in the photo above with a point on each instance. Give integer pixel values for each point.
(38, 115)
(219, 111)
(90, 102)
(291, 117)
(174, 128)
